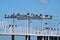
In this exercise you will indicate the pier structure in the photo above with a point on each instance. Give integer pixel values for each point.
(27, 31)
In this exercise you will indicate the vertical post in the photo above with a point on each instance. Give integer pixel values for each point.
(27, 37)
(41, 26)
(41, 22)
(28, 27)
(51, 38)
(12, 37)
(48, 37)
(4, 29)
(54, 37)
(13, 28)
(45, 37)
(39, 37)
(57, 38)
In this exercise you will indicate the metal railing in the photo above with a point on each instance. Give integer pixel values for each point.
(22, 30)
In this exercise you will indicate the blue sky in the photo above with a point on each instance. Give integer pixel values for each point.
(52, 7)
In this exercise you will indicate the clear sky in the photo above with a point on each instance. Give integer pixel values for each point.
(51, 7)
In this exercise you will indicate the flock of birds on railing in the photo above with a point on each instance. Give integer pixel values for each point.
(40, 16)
